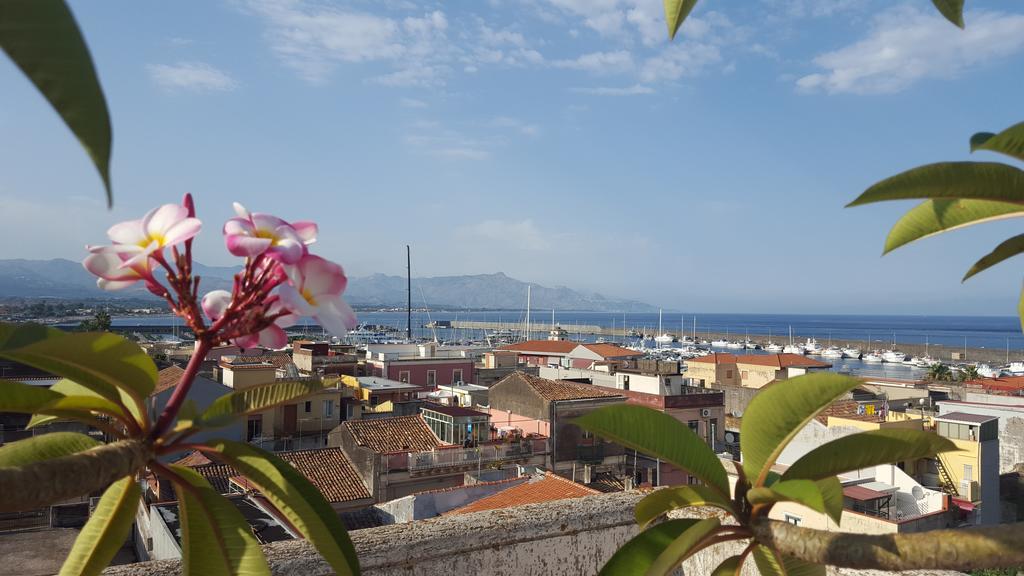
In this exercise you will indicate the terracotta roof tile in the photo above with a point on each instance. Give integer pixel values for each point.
(543, 346)
(396, 434)
(781, 361)
(1008, 383)
(547, 489)
(556, 390)
(714, 358)
(326, 468)
(167, 378)
(611, 351)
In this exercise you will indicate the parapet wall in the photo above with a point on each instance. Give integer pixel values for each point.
(568, 537)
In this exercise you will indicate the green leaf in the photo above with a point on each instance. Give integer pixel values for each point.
(676, 12)
(44, 447)
(43, 39)
(866, 449)
(781, 410)
(1008, 249)
(664, 500)
(953, 10)
(24, 398)
(109, 365)
(682, 547)
(300, 502)
(1009, 141)
(963, 180)
(106, 531)
(659, 435)
(216, 538)
(729, 567)
(226, 409)
(818, 496)
(637, 555)
(936, 216)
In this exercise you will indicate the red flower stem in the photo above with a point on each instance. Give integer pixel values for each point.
(181, 390)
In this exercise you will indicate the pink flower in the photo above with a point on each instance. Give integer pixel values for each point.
(315, 289)
(108, 263)
(164, 226)
(252, 234)
(216, 302)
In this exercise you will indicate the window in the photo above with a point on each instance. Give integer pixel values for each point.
(794, 520)
(403, 376)
(692, 480)
(625, 382)
(968, 473)
(349, 411)
(309, 406)
(431, 377)
(457, 376)
(255, 427)
(728, 373)
(328, 408)
(694, 426)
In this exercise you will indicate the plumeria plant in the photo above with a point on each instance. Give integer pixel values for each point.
(107, 383)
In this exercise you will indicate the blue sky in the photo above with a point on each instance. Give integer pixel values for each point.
(564, 142)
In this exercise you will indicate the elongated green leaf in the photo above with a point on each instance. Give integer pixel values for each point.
(682, 547)
(43, 39)
(226, 409)
(729, 567)
(44, 447)
(1009, 141)
(1020, 308)
(781, 410)
(819, 496)
(216, 539)
(1008, 249)
(952, 10)
(659, 435)
(300, 502)
(771, 563)
(106, 531)
(24, 398)
(954, 180)
(866, 449)
(666, 499)
(109, 365)
(676, 12)
(936, 216)
(637, 555)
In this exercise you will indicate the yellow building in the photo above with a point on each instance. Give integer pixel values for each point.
(972, 473)
(748, 370)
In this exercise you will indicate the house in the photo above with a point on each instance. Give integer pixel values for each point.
(203, 393)
(1010, 412)
(749, 370)
(648, 376)
(970, 474)
(568, 354)
(464, 394)
(377, 395)
(424, 365)
(497, 364)
(530, 404)
(456, 424)
(323, 358)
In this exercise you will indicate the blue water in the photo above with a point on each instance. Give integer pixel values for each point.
(951, 332)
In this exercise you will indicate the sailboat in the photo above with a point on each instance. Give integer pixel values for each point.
(772, 346)
(662, 338)
(721, 343)
(831, 351)
(792, 348)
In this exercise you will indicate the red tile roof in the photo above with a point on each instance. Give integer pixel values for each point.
(847, 409)
(1004, 383)
(714, 358)
(607, 351)
(167, 378)
(547, 489)
(562, 347)
(781, 361)
(556, 390)
(396, 434)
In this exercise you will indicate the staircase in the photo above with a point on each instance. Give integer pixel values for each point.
(945, 480)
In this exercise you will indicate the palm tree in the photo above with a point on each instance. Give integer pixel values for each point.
(968, 373)
(939, 372)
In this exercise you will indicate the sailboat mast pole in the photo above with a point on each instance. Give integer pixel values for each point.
(528, 290)
(408, 293)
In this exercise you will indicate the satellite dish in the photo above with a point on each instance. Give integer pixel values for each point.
(917, 492)
(730, 437)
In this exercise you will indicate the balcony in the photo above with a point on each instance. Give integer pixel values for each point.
(453, 458)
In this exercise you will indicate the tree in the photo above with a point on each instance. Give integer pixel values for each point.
(939, 372)
(100, 322)
(968, 373)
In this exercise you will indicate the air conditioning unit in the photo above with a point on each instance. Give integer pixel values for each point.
(705, 412)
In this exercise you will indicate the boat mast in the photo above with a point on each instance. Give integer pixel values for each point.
(528, 290)
(408, 294)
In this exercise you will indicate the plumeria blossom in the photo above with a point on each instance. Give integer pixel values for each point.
(314, 289)
(216, 303)
(165, 226)
(106, 262)
(252, 234)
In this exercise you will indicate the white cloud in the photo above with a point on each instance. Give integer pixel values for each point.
(679, 60)
(412, 103)
(194, 76)
(448, 144)
(633, 90)
(515, 124)
(906, 45)
(599, 62)
(522, 233)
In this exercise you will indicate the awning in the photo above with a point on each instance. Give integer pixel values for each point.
(863, 494)
(964, 505)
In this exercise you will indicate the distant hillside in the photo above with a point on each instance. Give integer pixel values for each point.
(66, 279)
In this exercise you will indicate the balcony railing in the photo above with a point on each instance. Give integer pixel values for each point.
(456, 457)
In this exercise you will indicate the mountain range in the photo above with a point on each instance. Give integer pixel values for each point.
(66, 279)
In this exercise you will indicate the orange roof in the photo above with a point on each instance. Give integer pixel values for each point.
(1009, 383)
(714, 358)
(167, 378)
(781, 361)
(542, 346)
(556, 390)
(547, 489)
(611, 351)
(396, 434)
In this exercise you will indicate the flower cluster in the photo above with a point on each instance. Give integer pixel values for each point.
(280, 282)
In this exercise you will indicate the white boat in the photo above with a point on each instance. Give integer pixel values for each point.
(926, 362)
(832, 352)
(734, 345)
(662, 338)
(912, 361)
(1015, 368)
(775, 348)
(873, 358)
(749, 345)
(986, 371)
(812, 347)
(792, 348)
(719, 343)
(851, 353)
(893, 356)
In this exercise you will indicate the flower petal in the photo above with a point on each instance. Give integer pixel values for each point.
(158, 222)
(288, 250)
(273, 337)
(108, 266)
(306, 230)
(240, 210)
(335, 316)
(293, 300)
(248, 246)
(215, 303)
(112, 285)
(321, 277)
(130, 232)
(182, 231)
(266, 222)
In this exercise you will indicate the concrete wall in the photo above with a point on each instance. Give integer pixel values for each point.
(165, 545)
(568, 537)
(433, 504)
(1011, 424)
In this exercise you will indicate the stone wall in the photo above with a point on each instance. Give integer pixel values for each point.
(567, 537)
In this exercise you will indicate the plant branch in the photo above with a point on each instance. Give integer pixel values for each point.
(961, 549)
(48, 481)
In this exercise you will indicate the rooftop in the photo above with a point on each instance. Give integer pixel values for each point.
(376, 383)
(168, 378)
(454, 411)
(611, 350)
(543, 346)
(265, 527)
(966, 418)
(778, 361)
(556, 390)
(714, 358)
(396, 434)
(1005, 383)
(549, 488)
